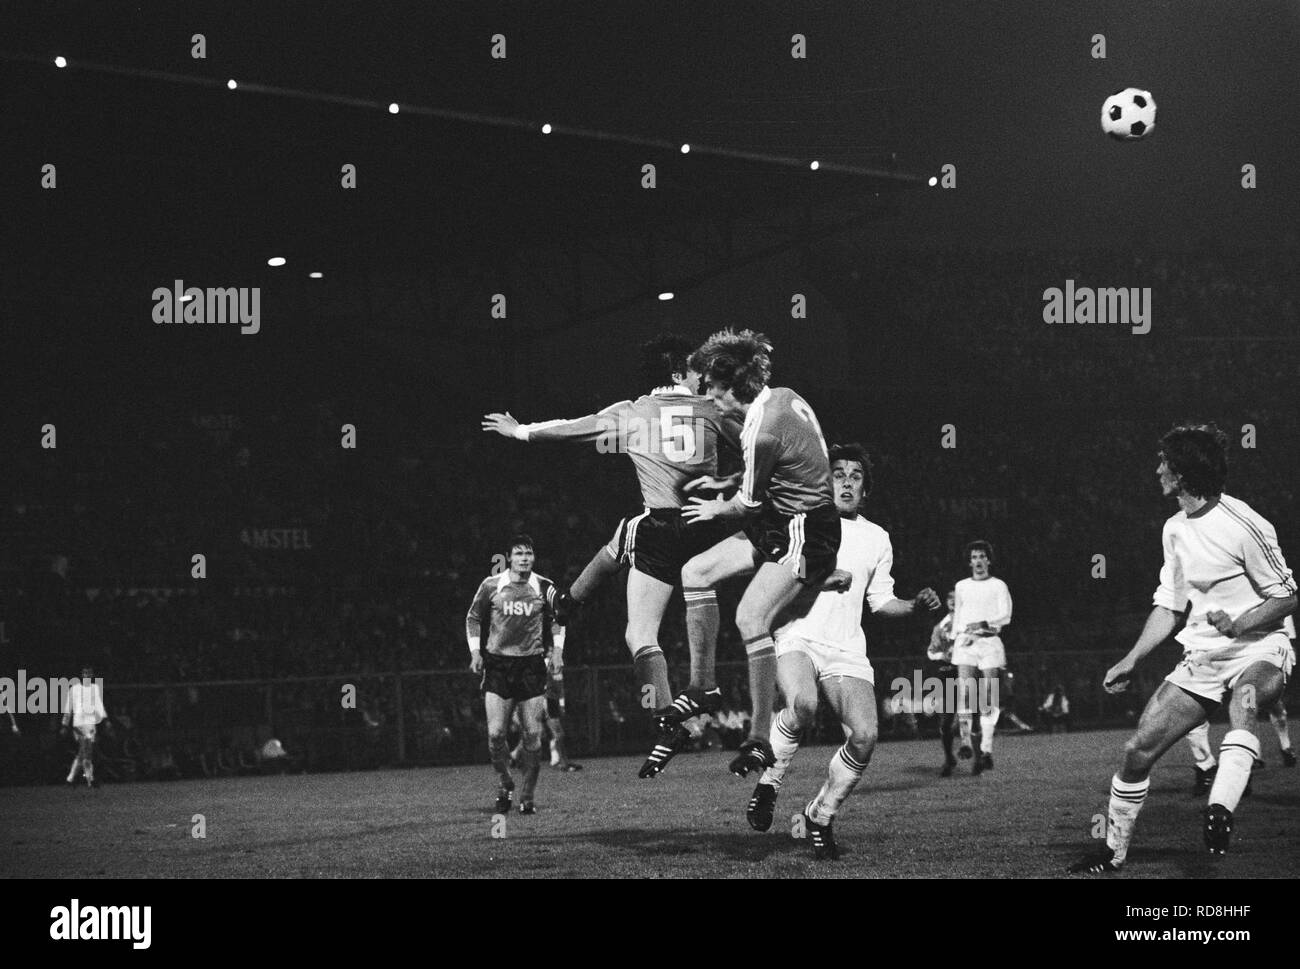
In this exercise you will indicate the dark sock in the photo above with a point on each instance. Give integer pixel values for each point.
(600, 568)
(652, 670)
(500, 753)
(762, 684)
(531, 763)
(702, 631)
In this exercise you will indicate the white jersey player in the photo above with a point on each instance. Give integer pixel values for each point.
(982, 611)
(819, 641)
(84, 712)
(1224, 580)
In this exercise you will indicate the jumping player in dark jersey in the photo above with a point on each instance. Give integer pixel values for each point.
(516, 608)
(673, 436)
(791, 536)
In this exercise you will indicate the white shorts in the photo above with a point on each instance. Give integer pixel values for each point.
(827, 660)
(1205, 676)
(986, 652)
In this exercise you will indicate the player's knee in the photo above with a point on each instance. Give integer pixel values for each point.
(1138, 755)
(696, 575)
(803, 709)
(533, 740)
(751, 621)
(862, 741)
(497, 738)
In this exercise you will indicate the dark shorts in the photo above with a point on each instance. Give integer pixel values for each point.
(514, 677)
(659, 542)
(807, 543)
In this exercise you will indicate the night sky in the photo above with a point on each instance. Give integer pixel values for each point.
(160, 180)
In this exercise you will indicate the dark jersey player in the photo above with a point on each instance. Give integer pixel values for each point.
(516, 609)
(672, 436)
(791, 535)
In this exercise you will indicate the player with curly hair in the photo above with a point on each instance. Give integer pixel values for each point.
(791, 536)
(1226, 584)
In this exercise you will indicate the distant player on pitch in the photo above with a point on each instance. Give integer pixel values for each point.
(820, 642)
(516, 608)
(982, 610)
(938, 655)
(83, 713)
(1225, 582)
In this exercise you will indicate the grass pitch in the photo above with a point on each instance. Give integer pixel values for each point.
(1028, 818)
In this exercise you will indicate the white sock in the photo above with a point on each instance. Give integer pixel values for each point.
(1199, 740)
(1237, 755)
(842, 777)
(988, 723)
(1125, 802)
(785, 744)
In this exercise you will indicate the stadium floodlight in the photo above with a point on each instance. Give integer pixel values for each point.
(392, 108)
(276, 261)
(815, 165)
(686, 149)
(315, 275)
(546, 128)
(665, 296)
(231, 84)
(60, 61)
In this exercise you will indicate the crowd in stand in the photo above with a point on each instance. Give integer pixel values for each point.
(97, 541)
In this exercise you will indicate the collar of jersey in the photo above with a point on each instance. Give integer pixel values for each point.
(673, 389)
(532, 581)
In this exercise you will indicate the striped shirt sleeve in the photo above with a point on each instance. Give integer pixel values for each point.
(760, 452)
(479, 616)
(604, 424)
(1263, 559)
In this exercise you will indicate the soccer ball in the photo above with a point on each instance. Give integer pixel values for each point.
(1129, 114)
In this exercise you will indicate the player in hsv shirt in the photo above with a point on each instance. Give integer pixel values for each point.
(1225, 582)
(791, 536)
(820, 644)
(982, 610)
(673, 436)
(517, 611)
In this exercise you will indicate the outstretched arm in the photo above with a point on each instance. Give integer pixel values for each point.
(604, 425)
(1160, 625)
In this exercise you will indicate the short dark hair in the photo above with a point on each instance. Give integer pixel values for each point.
(857, 453)
(738, 361)
(662, 356)
(979, 545)
(521, 539)
(1197, 453)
